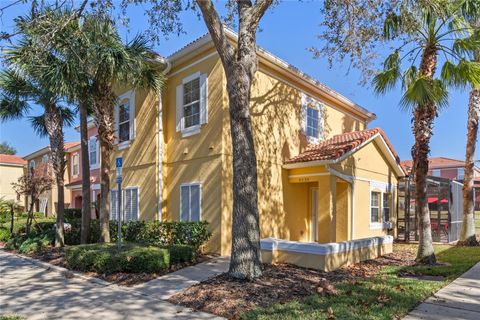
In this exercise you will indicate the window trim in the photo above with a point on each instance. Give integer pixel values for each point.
(130, 96)
(75, 154)
(124, 197)
(190, 184)
(124, 202)
(390, 205)
(376, 224)
(312, 103)
(203, 104)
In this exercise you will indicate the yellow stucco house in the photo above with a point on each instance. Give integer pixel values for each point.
(11, 169)
(323, 177)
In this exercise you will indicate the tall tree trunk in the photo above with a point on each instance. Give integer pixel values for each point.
(12, 216)
(54, 126)
(467, 234)
(424, 116)
(86, 201)
(103, 111)
(240, 65)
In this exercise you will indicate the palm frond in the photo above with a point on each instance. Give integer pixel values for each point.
(425, 92)
(12, 108)
(409, 76)
(68, 116)
(38, 125)
(386, 80)
(392, 26)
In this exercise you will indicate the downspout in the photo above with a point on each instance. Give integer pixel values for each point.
(350, 180)
(167, 66)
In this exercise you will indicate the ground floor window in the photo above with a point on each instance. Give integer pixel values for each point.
(190, 202)
(375, 206)
(130, 204)
(387, 201)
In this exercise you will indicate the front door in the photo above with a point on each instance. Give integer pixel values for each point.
(314, 213)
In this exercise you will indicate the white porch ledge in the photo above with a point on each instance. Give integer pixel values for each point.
(327, 256)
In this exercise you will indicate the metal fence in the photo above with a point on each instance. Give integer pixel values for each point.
(445, 203)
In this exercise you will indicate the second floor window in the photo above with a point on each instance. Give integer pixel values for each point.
(191, 103)
(45, 158)
(124, 122)
(312, 122)
(460, 173)
(93, 152)
(312, 119)
(75, 165)
(436, 172)
(124, 114)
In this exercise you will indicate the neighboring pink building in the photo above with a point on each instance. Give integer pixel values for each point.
(75, 171)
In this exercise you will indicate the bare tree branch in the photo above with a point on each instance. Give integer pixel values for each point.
(217, 31)
(259, 10)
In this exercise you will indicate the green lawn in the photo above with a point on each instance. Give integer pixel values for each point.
(385, 296)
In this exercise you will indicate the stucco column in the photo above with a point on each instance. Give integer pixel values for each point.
(326, 209)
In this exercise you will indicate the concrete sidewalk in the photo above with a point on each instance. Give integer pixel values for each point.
(458, 300)
(37, 291)
(166, 286)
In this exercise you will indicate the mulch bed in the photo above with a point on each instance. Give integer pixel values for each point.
(56, 256)
(280, 283)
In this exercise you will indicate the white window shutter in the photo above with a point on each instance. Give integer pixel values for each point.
(184, 203)
(135, 204)
(179, 108)
(131, 103)
(303, 114)
(115, 119)
(203, 98)
(321, 121)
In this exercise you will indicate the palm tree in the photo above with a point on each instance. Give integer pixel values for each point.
(11, 206)
(467, 234)
(425, 27)
(19, 92)
(108, 62)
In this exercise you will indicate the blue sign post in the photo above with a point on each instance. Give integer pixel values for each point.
(118, 167)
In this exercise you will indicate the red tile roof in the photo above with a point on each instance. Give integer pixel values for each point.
(339, 145)
(11, 159)
(436, 163)
(68, 145)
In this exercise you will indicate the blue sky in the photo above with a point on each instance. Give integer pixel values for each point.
(287, 31)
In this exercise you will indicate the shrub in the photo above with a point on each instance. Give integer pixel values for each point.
(157, 233)
(73, 213)
(4, 234)
(151, 233)
(107, 259)
(180, 253)
(35, 244)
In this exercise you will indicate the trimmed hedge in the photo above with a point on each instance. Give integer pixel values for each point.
(72, 213)
(151, 233)
(105, 258)
(180, 253)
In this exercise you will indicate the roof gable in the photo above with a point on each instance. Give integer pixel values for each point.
(339, 147)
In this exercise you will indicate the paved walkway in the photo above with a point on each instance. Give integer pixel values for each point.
(166, 286)
(458, 300)
(34, 290)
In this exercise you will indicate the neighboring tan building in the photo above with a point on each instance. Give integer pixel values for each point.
(322, 175)
(47, 202)
(11, 169)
